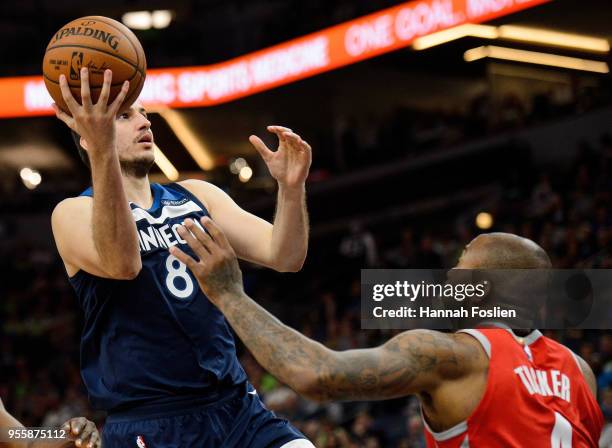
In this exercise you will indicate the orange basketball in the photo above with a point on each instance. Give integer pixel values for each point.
(98, 43)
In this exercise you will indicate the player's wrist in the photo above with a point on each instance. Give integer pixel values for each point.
(296, 191)
(225, 296)
(101, 152)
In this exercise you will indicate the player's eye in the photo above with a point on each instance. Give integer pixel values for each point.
(124, 116)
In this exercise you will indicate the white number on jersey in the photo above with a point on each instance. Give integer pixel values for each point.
(561, 436)
(180, 271)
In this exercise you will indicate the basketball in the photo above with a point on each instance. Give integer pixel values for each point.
(97, 43)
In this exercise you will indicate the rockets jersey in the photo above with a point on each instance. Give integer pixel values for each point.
(155, 339)
(536, 396)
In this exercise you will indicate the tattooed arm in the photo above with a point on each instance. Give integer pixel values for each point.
(412, 362)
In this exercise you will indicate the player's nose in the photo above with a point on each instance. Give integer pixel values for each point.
(143, 123)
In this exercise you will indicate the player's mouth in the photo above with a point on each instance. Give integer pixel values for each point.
(146, 139)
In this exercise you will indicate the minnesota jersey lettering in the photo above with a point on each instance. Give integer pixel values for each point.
(129, 325)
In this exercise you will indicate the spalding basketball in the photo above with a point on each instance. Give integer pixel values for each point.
(98, 43)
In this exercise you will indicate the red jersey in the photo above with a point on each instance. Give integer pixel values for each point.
(536, 396)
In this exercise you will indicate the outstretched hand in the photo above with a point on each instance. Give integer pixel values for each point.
(290, 163)
(216, 269)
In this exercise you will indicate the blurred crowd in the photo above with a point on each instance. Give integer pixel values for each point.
(566, 210)
(363, 140)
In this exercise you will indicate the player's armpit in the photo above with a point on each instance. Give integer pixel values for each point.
(412, 362)
(71, 222)
(249, 235)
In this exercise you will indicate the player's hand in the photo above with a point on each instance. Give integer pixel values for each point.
(216, 269)
(94, 122)
(290, 163)
(83, 432)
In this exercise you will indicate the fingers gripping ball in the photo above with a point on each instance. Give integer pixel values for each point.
(98, 43)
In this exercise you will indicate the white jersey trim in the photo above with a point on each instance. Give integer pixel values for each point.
(532, 337)
(168, 211)
(298, 443)
(456, 430)
(486, 345)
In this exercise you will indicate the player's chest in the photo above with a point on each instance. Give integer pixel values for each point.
(158, 229)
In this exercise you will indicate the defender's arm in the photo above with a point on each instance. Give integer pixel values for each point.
(412, 362)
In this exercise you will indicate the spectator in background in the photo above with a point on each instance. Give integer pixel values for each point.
(359, 247)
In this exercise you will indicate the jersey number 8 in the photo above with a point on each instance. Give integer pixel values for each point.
(177, 269)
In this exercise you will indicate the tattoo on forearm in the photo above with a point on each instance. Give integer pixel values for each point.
(406, 364)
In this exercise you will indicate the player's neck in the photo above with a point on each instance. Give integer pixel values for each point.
(138, 190)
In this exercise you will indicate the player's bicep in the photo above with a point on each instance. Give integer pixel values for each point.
(411, 362)
(71, 223)
(249, 235)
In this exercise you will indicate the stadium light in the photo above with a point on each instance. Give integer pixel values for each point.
(188, 138)
(165, 165)
(534, 57)
(484, 220)
(161, 18)
(245, 174)
(30, 178)
(237, 164)
(458, 32)
(145, 20)
(137, 20)
(554, 38)
(517, 33)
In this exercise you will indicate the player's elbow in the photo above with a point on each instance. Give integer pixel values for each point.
(307, 385)
(126, 271)
(311, 385)
(294, 264)
(290, 267)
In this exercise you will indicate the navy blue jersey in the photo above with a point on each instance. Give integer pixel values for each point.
(155, 339)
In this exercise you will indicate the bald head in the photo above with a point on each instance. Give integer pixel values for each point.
(503, 251)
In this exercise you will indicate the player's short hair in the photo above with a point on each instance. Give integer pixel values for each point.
(82, 152)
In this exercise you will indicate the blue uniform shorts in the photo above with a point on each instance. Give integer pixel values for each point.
(239, 420)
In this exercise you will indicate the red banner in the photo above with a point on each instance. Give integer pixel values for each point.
(300, 58)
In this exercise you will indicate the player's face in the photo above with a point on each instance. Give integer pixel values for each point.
(135, 140)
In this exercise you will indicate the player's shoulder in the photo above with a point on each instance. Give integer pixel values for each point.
(71, 204)
(70, 208)
(197, 185)
(206, 192)
(588, 374)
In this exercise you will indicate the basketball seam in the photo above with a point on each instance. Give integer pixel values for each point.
(99, 18)
(135, 92)
(92, 87)
(131, 64)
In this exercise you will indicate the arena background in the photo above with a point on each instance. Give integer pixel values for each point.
(415, 152)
